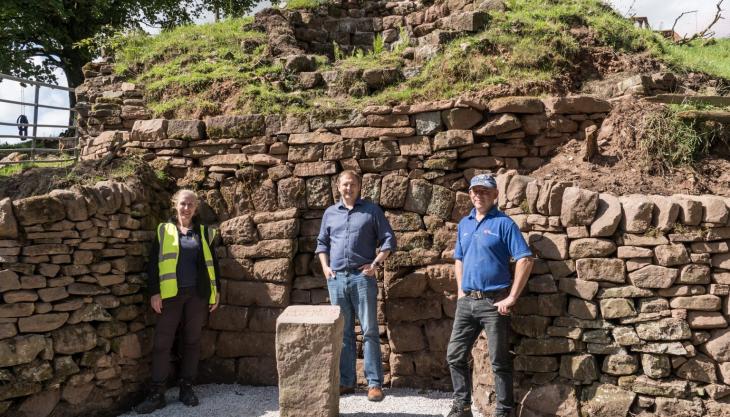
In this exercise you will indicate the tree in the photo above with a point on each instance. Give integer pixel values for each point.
(39, 36)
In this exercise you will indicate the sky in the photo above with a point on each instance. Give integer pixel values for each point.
(661, 15)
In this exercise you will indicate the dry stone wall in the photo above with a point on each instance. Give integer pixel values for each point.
(74, 333)
(628, 301)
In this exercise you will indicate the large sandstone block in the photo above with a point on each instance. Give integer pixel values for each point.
(20, 349)
(308, 345)
(559, 398)
(235, 126)
(238, 230)
(668, 329)
(74, 339)
(580, 367)
(578, 207)
(262, 294)
(671, 255)
(591, 248)
(549, 245)
(452, 139)
(149, 130)
(497, 124)
(606, 400)
(653, 276)
(718, 346)
(666, 212)
(608, 216)
(599, 269)
(637, 213)
(39, 209)
(393, 191)
(8, 224)
(664, 388)
(577, 105)
(406, 337)
(516, 104)
(706, 302)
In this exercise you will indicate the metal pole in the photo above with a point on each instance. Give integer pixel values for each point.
(35, 121)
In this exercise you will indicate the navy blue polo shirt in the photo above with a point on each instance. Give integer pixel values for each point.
(485, 247)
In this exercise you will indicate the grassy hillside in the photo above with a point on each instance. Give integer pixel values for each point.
(222, 67)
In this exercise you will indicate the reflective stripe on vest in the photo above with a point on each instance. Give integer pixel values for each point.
(167, 259)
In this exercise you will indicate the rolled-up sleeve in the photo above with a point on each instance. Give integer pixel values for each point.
(323, 239)
(385, 234)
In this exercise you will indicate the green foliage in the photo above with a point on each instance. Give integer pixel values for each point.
(68, 34)
(338, 52)
(305, 4)
(669, 141)
(187, 70)
(7, 170)
(208, 69)
(378, 44)
(711, 57)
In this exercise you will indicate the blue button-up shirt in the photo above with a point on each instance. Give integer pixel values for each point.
(485, 248)
(350, 237)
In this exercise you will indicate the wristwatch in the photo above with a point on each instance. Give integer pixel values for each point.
(376, 265)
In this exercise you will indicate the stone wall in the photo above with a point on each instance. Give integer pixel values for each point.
(73, 328)
(355, 24)
(628, 298)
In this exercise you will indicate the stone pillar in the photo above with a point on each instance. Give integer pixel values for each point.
(308, 345)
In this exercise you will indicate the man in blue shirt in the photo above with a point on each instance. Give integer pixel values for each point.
(351, 232)
(487, 239)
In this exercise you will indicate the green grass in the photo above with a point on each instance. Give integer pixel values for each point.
(669, 141)
(305, 4)
(712, 58)
(202, 70)
(192, 69)
(7, 170)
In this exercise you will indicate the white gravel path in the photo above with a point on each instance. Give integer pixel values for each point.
(218, 400)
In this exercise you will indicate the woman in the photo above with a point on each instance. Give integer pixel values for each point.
(183, 272)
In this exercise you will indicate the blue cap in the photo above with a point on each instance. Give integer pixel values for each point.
(483, 180)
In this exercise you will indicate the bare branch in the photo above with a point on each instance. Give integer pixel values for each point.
(681, 15)
(631, 11)
(706, 32)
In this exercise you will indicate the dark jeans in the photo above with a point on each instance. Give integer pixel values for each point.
(188, 308)
(471, 317)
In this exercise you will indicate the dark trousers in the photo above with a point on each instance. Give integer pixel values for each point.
(471, 317)
(188, 311)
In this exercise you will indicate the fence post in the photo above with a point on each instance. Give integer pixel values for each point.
(35, 121)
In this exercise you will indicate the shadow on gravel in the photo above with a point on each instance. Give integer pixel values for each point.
(388, 415)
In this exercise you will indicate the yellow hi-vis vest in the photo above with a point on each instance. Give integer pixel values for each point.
(167, 262)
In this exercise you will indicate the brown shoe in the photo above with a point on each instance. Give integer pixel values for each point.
(375, 394)
(346, 390)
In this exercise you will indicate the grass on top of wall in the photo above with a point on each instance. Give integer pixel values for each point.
(223, 67)
(195, 69)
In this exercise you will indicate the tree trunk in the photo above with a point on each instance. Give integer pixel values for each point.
(73, 62)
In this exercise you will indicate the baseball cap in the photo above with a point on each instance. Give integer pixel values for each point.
(483, 180)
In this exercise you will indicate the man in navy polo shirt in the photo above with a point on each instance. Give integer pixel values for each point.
(352, 231)
(487, 239)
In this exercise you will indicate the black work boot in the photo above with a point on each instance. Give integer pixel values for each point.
(459, 409)
(154, 401)
(187, 395)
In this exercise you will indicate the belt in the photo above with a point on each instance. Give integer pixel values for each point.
(478, 295)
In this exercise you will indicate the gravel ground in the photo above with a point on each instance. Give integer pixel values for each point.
(244, 401)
